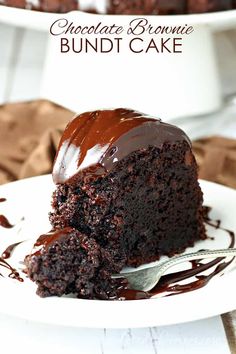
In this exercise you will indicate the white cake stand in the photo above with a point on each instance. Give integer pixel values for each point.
(180, 85)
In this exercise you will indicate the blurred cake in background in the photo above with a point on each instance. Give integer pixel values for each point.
(131, 7)
(137, 7)
(171, 7)
(14, 3)
(147, 7)
(199, 6)
(57, 5)
(60, 6)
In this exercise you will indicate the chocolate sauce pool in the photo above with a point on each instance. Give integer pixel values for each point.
(2, 200)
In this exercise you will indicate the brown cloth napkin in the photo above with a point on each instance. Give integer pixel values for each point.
(216, 157)
(30, 132)
(29, 136)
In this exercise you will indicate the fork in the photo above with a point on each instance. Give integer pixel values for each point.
(145, 279)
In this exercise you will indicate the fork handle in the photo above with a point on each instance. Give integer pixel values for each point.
(195, 256)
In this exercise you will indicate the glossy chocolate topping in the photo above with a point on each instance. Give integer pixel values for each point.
(46, 240)
(94, 142)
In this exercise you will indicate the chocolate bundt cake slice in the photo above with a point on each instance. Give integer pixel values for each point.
(127, 183)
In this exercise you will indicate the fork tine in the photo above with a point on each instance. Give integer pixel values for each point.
(145, 279)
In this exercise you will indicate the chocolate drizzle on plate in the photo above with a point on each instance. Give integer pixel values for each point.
(4, 222)
(13, 273)
(9, 250)
(169, 282)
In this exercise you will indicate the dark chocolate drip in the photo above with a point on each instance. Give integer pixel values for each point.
(10, 249)
(169, 283)
(2, 200)
(94, 141)
(217, 225)
(46, 240)
(5, 223)
(13, 272)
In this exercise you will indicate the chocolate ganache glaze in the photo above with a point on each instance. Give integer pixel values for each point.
(94, 141)
(46, 240)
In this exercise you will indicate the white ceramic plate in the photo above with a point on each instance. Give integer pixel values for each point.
(43, 20)
(31, 198)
